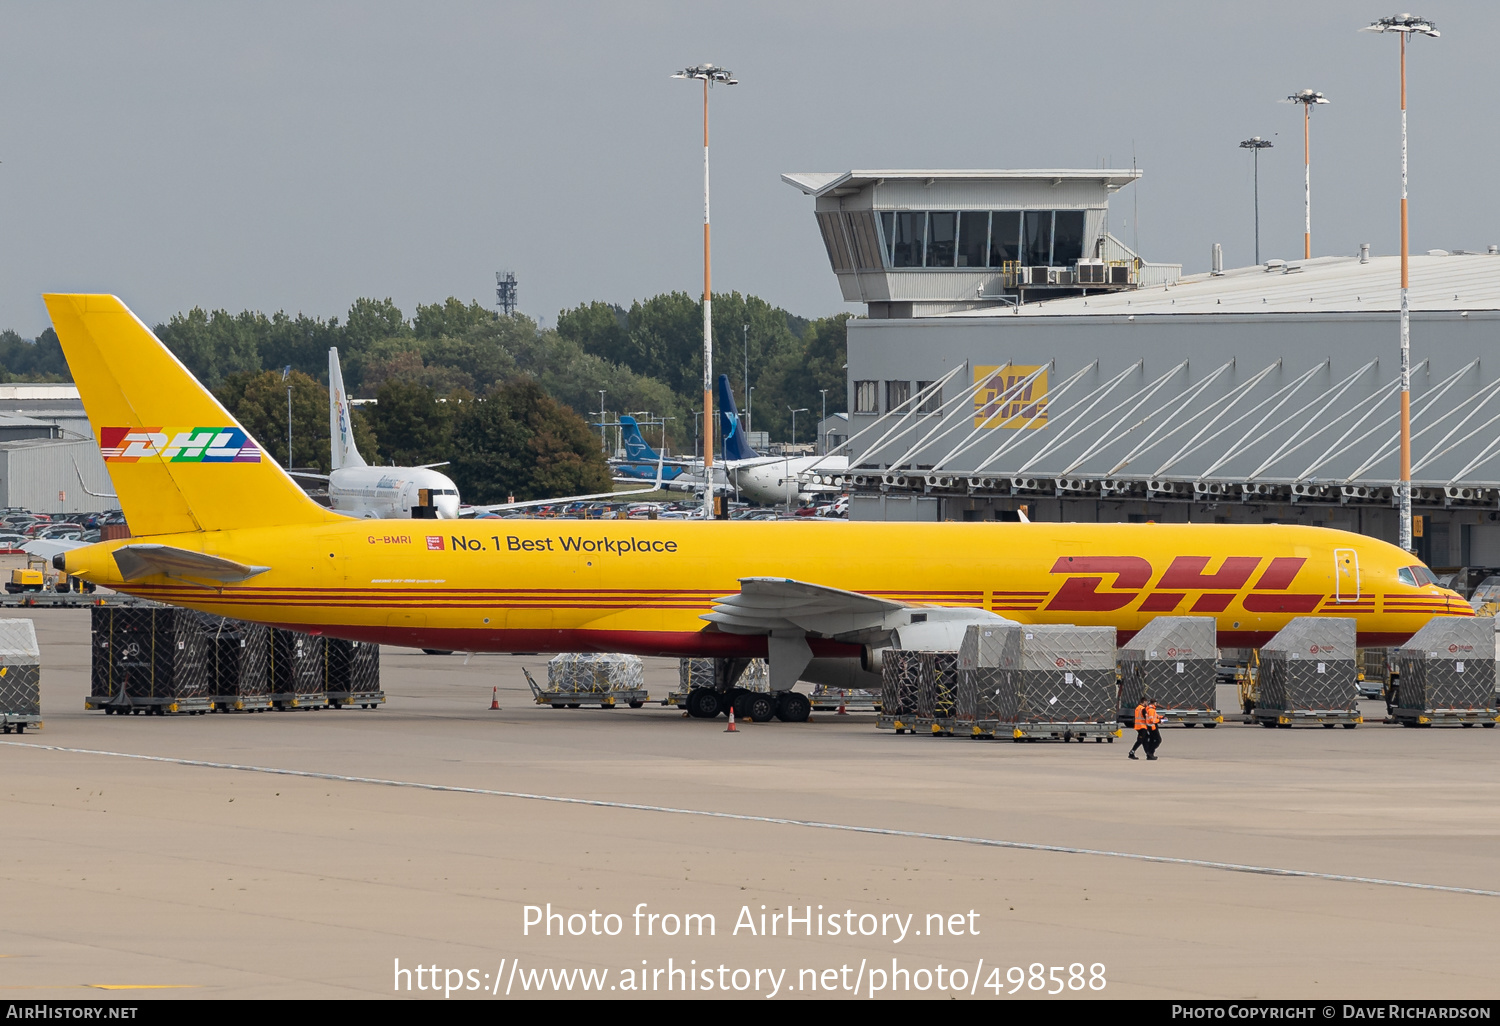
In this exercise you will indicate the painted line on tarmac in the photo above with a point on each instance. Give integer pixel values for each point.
(987, 842)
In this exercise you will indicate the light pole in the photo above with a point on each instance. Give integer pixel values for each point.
(1255, 144)
(802, 409)
(749, 409)
(603, 441)
(746, 331)
(286, 375)
(708, 75)
(824, 391)
(1306, 97)
(1405, 25)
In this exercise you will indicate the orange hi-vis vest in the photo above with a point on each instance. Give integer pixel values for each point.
(1140, 716)
(1146, 717)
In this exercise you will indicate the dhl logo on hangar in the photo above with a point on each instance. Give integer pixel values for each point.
(178, 445)
(1083, 591)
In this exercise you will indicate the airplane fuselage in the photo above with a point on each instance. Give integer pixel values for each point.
(641, 586)
(390, 492)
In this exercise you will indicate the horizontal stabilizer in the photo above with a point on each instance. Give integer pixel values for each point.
(145, 560)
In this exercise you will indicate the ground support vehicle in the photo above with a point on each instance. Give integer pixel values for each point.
(559, 698)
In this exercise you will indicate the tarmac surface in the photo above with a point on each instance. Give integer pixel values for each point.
(186, 880)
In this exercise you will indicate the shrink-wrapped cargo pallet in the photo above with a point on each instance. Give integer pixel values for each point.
(1173, 661)
(699, 673)
(239, 655)
(352, 673)
(1068, 684)
(900, 683)
(989, 667)
(575, 679)
(149, 659)
(1448, 673)
(20, 677)
(1307, 674)
(937, 691)
(297, 670)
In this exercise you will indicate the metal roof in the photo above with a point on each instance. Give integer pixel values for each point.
(1448, 282)
(823, 183)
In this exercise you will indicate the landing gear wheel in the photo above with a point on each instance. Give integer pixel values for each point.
(739, 701)
(759, 707)
(704, 704)
(792, 707)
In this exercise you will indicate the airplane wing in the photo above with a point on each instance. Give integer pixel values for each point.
(766, 604)
(307, 473)
(654, 486)
(143, 560)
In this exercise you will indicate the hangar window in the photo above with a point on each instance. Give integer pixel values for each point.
(1067, 238)
(942, 235)
(932, 403)
(896, 393)
(866, 397)
(1037, 239)
(1005, 237)
(973, 237)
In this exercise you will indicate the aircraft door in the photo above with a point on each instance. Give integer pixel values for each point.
(1345, 575)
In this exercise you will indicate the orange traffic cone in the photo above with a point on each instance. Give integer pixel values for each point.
(731, 729)
(842, 711)
(495, 698)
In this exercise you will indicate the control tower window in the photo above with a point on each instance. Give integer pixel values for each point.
(1005, 237)
(1067, 238)
(908, 238)
(1037, 242)
(942, 235)
(973, 238)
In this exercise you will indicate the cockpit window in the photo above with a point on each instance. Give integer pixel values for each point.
(1417, 576)
(1404, 576)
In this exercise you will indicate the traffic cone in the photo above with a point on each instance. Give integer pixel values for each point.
(731, 729)
(495, 698)
(842, 711)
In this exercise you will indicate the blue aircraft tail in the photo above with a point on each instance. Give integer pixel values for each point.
(735, 445)
(636, 446)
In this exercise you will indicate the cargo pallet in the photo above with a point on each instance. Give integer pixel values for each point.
(558, 699)
(1182, 717)
(1444, 717)
(362, 699)
(937, 726)
(293, 700)
(1040, 731)
(242, 703)
(1306, 717)
(18, 722)
(132, 706)
(832, 700)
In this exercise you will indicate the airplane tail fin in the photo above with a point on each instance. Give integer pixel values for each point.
(178, 460)
(636, 446)
(340, 423)
(735, 446)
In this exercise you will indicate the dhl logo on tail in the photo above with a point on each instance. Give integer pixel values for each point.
(178, 445)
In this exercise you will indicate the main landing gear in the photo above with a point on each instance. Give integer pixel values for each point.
(750, 706)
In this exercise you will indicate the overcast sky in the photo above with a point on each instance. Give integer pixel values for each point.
(299, 155)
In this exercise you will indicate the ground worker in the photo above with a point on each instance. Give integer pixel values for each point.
(1142, 731)
(1147, 729)
(1153, 730)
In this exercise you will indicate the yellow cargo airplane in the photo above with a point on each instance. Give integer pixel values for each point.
(221, 528)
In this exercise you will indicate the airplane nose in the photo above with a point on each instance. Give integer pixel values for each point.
(447, 507)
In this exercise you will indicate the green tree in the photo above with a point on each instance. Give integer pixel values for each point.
(520, 441)
(414, 426)
(259, 402)
(371, 320)
(450, 318)
(602, 329)
(212, 345)
(27, 360)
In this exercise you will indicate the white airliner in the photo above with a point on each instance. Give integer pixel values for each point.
(769, 480)
(357, 489)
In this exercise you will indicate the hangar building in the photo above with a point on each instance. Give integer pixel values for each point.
(1091, 385)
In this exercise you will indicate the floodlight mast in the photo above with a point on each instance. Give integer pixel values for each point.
(1306, 97)
(1404, 25)
(709, 75)
(1255, 144)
